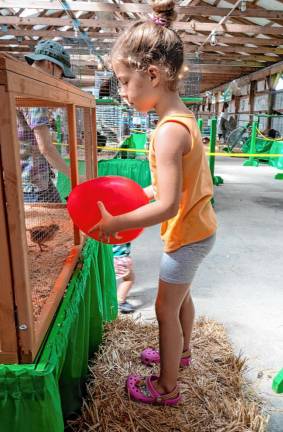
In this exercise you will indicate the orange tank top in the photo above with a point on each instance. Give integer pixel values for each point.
(195, 220)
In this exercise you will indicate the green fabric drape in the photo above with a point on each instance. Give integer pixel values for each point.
(135, 169)
(36, 397)
(277, 148)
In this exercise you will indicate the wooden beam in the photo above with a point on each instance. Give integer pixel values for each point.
(258, 75)
(255, 61)
(102, 45)
(88, 6)
(191, 26)
(187, 39)
(204, 55)
(239, 49)
(55, 33)
(236, 40)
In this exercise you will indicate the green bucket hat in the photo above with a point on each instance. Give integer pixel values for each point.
(53, 52)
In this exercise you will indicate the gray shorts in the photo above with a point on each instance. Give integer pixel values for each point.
(180, 266)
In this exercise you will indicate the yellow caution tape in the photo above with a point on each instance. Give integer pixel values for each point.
(241, 155)
(118, 149)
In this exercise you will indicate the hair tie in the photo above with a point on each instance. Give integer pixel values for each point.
(163, 22)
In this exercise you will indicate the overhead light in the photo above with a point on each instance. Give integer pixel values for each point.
(213, 39)
(99, 66)
(243, 6)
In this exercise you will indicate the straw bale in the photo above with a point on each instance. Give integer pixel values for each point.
(216, 397)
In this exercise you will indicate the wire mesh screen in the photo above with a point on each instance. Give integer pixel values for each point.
(106, 85)
(122, 132)
(43, 139)
(190, 86)
(81, 150)
(109, 117)
(277, 125)
(83, 63)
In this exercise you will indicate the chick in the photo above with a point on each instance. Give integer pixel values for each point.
(41, 234)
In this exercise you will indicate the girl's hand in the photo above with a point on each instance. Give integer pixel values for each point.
(107, 225)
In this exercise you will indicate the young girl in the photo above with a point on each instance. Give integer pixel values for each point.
(147, 60)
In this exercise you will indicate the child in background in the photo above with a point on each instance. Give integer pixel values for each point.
(124, 270)
(147, 59)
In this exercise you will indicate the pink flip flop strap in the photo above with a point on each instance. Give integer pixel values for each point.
(160, 397)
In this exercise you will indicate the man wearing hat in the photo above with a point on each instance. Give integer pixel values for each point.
(38, 154)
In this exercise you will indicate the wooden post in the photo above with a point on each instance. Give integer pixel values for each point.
(271, 99)
(16, 224)
(252, 96)
(72, 128)
(94, 141)
(88, 136)
(237, 105)
(8, 338)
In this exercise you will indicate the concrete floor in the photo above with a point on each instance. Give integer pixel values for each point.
(240, 284)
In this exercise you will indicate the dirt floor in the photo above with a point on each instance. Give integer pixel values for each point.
(45, 265)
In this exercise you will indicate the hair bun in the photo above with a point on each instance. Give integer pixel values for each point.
(164, 9)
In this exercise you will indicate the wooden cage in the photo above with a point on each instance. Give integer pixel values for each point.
(24, 86)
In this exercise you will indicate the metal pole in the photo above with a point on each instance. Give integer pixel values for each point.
(217, 180)
(251, 161)
(212, 146)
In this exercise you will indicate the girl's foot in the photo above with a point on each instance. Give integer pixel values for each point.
(142, 389)
(150, 356)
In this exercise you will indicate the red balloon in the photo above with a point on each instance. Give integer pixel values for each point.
(118, 194)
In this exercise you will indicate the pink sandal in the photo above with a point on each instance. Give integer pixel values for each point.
(141, 389)
(150, 356)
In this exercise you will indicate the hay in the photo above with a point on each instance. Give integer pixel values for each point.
(214, 399)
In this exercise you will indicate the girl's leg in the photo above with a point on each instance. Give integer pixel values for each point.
(125, 286)
(187, 315)
(168, 304)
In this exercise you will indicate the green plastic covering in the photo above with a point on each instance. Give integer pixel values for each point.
(277, 384)
(135, 169)
(261, 146)
(107, 101)
(277, 148)
(37, 397)
(192, 99)
(135, 141)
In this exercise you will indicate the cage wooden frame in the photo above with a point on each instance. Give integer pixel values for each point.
(24, 86)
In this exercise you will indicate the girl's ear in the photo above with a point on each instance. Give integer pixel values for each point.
(154, 75)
